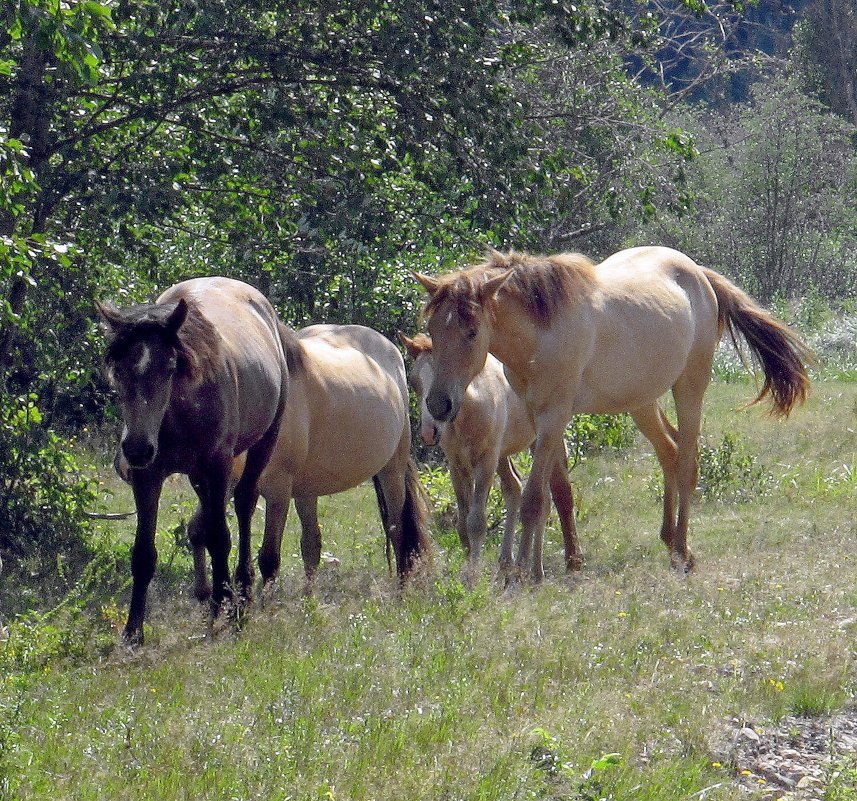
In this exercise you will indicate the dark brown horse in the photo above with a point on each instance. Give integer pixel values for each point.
(202, 377)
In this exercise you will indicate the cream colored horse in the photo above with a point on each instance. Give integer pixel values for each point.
(345, 421)
(578, 337)
(491, 425)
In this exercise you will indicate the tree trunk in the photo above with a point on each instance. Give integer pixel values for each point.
(29, 122)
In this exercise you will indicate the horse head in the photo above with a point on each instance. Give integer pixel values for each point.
(420, 378)
(459, 322)
(142, 358)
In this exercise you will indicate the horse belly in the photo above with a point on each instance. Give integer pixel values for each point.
(343, 459)
(638, 372)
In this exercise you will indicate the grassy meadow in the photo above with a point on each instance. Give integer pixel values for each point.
(625, 681)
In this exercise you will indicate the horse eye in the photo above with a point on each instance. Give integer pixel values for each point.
(472, 333)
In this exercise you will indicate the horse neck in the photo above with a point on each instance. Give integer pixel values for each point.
(514, 337)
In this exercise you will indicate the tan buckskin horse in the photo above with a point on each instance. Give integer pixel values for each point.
(614, 337)
(202, 377)
(492, 424)
(345, 421)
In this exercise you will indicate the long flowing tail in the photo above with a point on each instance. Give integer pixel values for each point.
(416, 543)
(385, 520)
(782, 355)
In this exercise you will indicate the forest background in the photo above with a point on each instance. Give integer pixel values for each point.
(323, 150)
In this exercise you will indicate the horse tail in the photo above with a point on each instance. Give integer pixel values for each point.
(385, 521)
(416, 543)
(783, 357)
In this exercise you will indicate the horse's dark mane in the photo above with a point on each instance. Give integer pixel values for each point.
(197, 342)
(294, 350)
(540, 283)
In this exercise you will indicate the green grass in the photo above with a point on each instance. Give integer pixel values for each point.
(622, 682)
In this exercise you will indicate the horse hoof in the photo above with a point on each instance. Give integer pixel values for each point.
(683, 565)
(202, 593)
(132, 639)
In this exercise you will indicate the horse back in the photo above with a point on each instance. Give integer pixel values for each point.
(247, 376)
(346, 410)
(365, 341)
(652, 317)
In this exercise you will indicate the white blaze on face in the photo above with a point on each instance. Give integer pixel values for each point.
(143, 362)
(429, 427)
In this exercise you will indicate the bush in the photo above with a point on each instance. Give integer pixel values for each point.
(592, 433)
(729, 471)
(43, 490)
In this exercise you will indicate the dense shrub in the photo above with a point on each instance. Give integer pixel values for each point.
(43, 489)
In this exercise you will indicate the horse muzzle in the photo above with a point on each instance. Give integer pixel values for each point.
(121, 466)
(441, 406)
(139, 453)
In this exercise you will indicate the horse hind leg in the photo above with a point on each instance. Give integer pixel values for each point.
(563, 500)
(510, 486)
(656, 428)
(307, 509)
(688, 393)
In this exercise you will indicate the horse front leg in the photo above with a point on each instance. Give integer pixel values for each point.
(276, 511)
(534, 503)
(212, 487)
(462, 484)
(196, 535)
(477, 524)
(144, 555)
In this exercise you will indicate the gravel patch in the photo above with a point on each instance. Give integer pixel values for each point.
(798, 759)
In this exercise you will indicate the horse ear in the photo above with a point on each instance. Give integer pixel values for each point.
(410, 345)
(429, 284)
(110, 316)
(490, 288)
(177, 317)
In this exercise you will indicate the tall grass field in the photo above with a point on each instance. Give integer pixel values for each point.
(625, 681)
